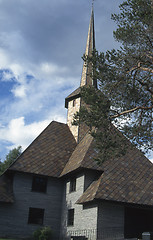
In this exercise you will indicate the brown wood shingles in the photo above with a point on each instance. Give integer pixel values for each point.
(48, 153)
(82, 157)
(128, 179)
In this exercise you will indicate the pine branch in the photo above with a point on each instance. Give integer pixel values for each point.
(131, 110)
(141, 68)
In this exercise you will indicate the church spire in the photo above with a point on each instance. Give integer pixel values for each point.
(87, 71)
(73, 102)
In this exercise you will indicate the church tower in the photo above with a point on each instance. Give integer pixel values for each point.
(73, 102)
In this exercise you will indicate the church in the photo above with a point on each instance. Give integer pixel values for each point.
(56, 182)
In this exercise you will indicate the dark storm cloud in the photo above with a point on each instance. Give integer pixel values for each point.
(53, 30)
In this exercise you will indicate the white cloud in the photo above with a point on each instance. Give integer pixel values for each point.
(7, 76)
(17, 69)
(47, 82)
(3, 59)
(151, 156)
(50, 68)
(19, 91)
(20, 134)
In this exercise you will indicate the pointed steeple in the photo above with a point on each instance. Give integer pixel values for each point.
(73, 102)
(87, 71)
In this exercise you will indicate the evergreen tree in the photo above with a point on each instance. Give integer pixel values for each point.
(125, 78)
(10, 158)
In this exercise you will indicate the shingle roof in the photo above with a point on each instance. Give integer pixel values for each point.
(48, 153)
(6, 189)
(128, 179)
(82, 157)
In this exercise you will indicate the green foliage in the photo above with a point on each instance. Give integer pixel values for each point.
(10, 158)
(96, 115)
(37, 233)
(98, 104)
(44, 233)
(125, 78)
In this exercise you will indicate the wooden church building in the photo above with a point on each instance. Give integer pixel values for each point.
(56, 182)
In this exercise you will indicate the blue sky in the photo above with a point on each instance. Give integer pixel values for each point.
(41, 45)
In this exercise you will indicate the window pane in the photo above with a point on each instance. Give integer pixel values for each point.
(39, 184)
(74, 102)
(70, 220)
(73, 185)
(36, 216)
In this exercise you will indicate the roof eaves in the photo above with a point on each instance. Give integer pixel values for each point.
(75, 94)
(90, 193)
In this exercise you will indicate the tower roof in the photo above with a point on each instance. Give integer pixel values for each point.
(87, 71)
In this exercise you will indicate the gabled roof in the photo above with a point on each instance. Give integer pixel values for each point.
(6, 189)
(128, 179)
(82, 157)
(48, 153)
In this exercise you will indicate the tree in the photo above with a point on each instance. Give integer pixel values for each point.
(10, 158)
(125, 78)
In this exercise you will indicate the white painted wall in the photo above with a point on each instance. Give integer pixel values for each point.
(84, 218)
(71, 111)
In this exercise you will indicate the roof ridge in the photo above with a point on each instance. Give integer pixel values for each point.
(73, 164)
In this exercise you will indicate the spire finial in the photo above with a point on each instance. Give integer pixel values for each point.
(93, 3)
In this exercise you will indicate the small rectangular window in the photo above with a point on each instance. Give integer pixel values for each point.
(70, 217)
(39, 184)
(72, 185)
(36, 216)
(74, 102)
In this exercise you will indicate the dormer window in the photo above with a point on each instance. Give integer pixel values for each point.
(72, 185)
